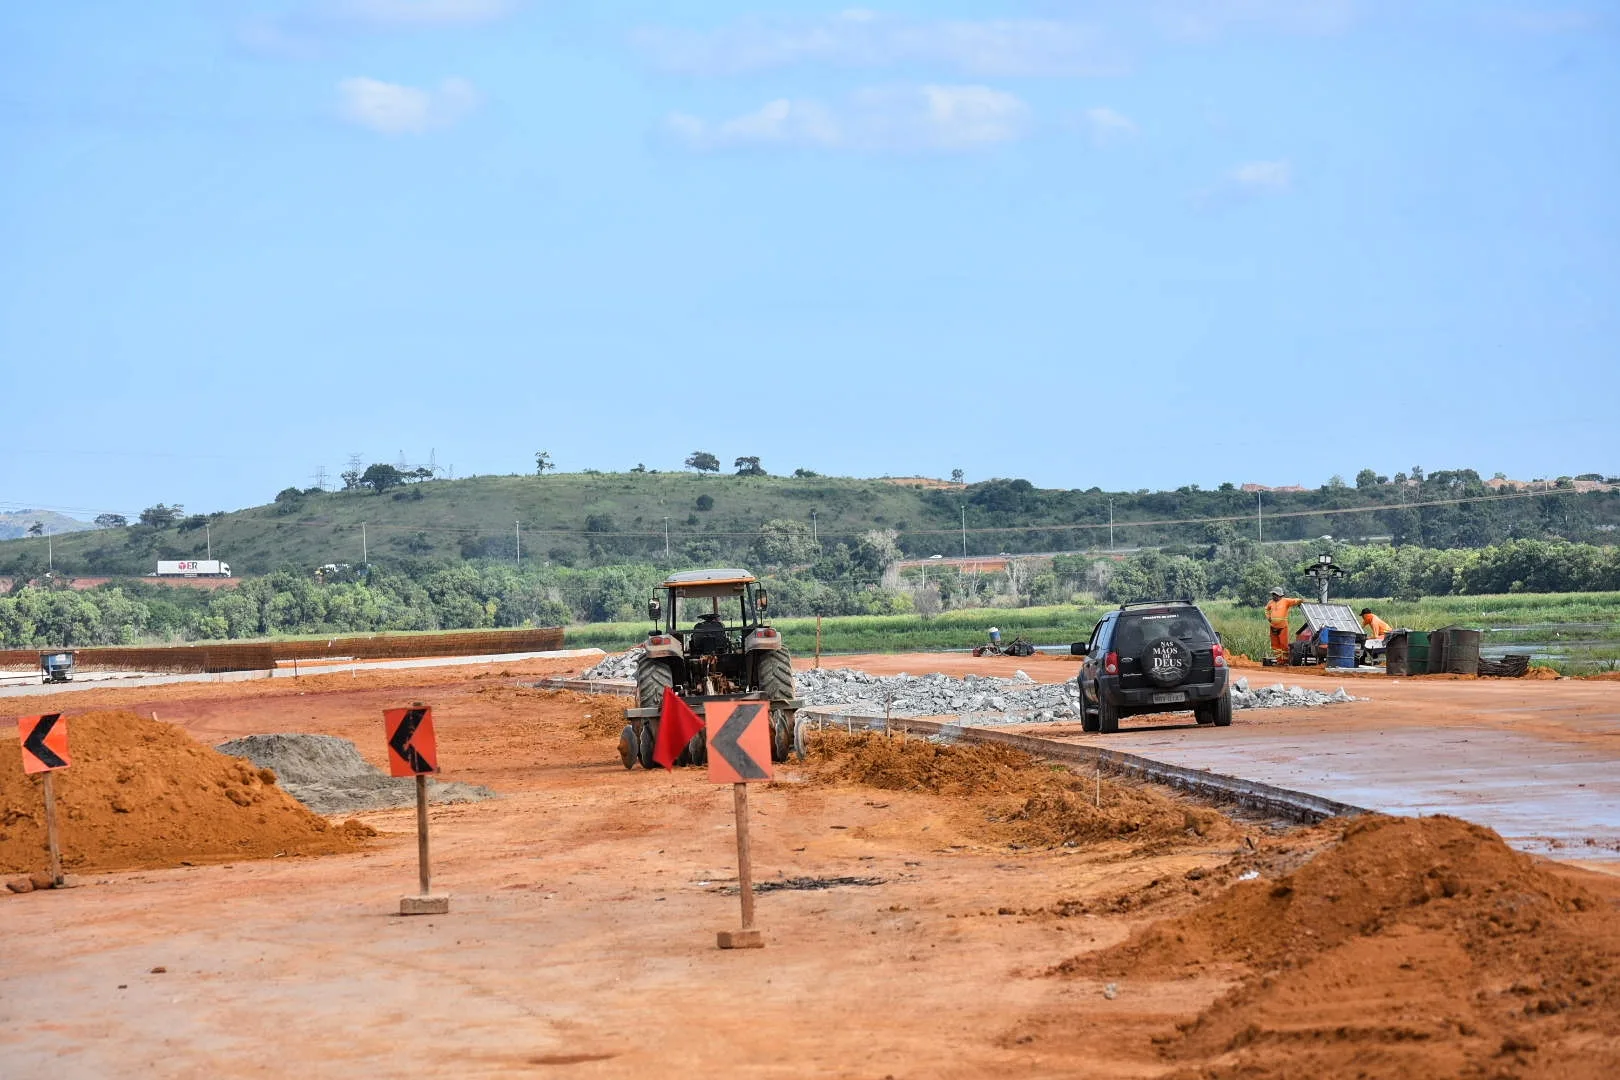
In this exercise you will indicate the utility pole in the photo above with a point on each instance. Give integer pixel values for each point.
(365, 556)
(208, 534)
(517, 534)
(1110, 524)
(666, 536)
(964, 530)
(814, 538)
(50, 554)
(1259, 518)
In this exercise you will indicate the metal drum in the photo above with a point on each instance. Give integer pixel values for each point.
(1439, 651)
(1462, 656)
(1395, 653)
(1417, 652)
(1341, 649)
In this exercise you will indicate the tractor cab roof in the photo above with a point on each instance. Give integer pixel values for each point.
(709, 582)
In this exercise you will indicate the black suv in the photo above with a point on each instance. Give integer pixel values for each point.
(1153, 657)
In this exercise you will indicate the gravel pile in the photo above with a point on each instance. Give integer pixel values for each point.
(329, 776)
(935, 694)
(1020, 699)
(1278, 696)
(620, 666)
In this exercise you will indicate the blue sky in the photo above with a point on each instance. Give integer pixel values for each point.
(1129, 244)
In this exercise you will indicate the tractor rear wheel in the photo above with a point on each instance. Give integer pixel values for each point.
(773, 676)
(652, 679)
(629, 747)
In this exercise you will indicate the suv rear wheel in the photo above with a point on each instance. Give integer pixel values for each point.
(1218, 713)
(1107, 716)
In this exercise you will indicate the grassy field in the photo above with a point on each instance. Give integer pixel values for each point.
(1530, 616)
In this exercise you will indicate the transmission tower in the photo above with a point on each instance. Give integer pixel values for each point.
(320, 477)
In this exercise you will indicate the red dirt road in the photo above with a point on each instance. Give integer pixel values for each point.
(581, 935)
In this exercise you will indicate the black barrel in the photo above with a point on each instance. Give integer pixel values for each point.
(1439, 650)
(1462, 651)
(1395, 653)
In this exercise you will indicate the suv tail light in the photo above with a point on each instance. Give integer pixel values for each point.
(1111, 663)
(1218, 653)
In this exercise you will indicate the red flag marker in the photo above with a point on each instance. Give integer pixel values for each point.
(677, 726)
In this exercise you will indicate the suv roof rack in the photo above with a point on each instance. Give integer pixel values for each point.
(1152, 603)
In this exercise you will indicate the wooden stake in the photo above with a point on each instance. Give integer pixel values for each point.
(747, 937)
(425, 903)
(745, 867)
(422, 834)
(50, 832)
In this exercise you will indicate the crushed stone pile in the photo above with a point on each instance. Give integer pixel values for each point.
(1021, 699)
(1416, 946)
(936, 695)
(328, 775)
(1278, 696)
(142, 794)
(619, 666)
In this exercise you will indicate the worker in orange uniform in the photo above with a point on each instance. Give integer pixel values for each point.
(1277, 615)
(1376, 627)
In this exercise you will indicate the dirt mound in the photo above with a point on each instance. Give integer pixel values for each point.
(141, 793)
(1414, 946)
(328, 775)
(1028, 802)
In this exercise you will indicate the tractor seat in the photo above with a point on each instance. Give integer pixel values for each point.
(706, 639)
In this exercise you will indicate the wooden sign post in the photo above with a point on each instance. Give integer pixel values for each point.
(413, 751)
(739, 739)
(44, 750)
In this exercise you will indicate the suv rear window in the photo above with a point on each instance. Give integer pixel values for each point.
(1137, 628)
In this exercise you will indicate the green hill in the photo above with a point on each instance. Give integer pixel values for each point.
(583, 519)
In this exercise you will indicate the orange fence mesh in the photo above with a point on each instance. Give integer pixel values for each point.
(262, 655)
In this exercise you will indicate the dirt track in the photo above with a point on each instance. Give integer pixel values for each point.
(581, 938)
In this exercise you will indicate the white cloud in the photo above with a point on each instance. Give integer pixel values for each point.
(1203, 19)
(890, 118)
(395, 109)
(1107, 126)
(866, 39)
(1262, 177)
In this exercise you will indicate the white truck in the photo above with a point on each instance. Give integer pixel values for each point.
(193, 568)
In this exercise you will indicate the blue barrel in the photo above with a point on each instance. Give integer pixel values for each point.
(1341, 649)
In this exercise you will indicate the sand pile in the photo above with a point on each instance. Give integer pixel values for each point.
(328, 775)
(1413, 947)
(1026, 801)
(144, 794)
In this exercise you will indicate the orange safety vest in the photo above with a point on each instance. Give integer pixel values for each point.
(1376, 627)
(1278, 609)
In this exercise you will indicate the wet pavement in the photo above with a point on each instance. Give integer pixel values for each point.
(1545, 795)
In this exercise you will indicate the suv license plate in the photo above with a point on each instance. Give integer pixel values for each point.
(1169, 699)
